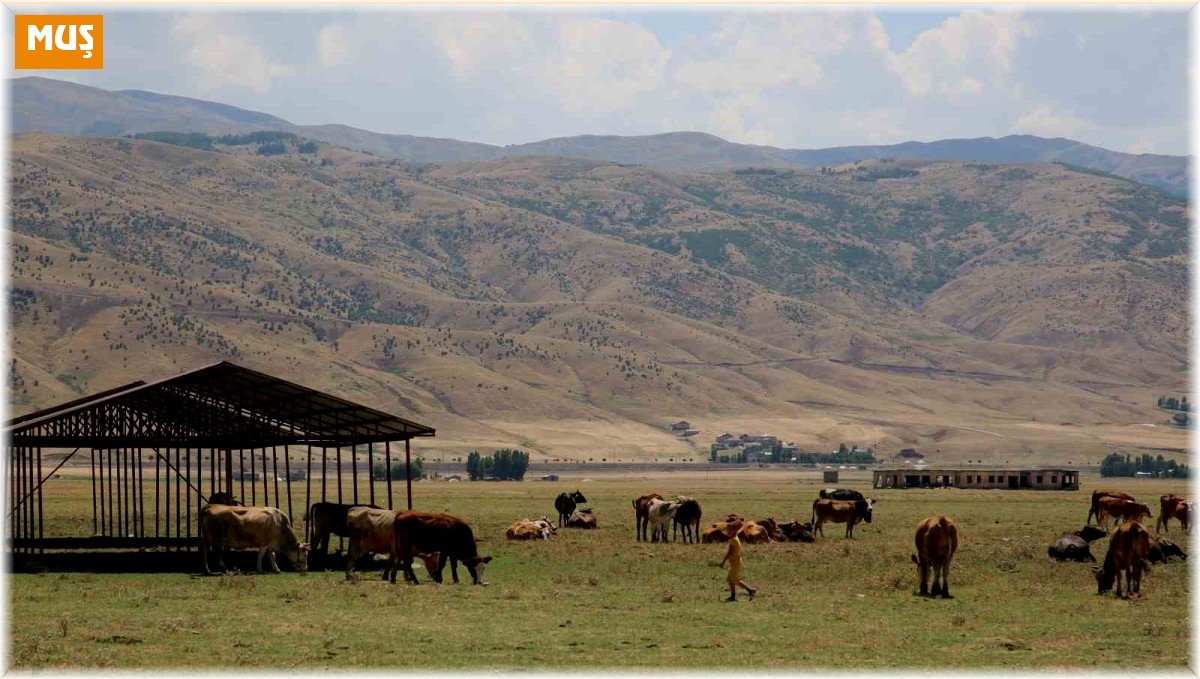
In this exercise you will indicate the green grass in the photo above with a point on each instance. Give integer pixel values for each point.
(600, 599)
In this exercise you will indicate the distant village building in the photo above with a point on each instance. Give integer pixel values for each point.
(981, 477)
(909, 454)
(682, 425)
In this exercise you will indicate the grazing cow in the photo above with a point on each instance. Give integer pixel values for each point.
(325, 519)
(688, 516)
(1173, 507)
(263, 528)
(371, 530)
(1075, 546)
(841, 494)
(1121, 510)
(1127, 552)
(565, 504)
(1163, 550)
(449, 536)
(797, 532)
(1096, 497)
(524, 529)
(841, 511)
(641, 511)
(936, 540)
(582, 518)
(661, 513)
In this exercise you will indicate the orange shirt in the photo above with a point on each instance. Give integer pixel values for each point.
(734, 557)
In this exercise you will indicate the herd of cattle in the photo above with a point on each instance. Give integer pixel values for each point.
(437, 538)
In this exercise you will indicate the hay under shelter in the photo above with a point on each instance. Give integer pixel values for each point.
(157, 451)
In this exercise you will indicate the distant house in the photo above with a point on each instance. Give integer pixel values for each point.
(550, 477)
(976, 477)
(681, 425)
(687, 432)
(725, 438)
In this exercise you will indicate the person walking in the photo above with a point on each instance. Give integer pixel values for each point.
(734, 557)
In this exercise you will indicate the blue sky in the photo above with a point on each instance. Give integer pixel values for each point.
(802, 77)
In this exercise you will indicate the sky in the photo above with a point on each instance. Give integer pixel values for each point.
(799, 77)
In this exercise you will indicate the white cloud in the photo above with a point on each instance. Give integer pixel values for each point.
(475, 43)
(224, 56)
(333, 45)
(974, 45)
(1045, 121)
(603, 66)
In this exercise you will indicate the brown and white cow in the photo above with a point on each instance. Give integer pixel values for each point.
(525, 529)
(661, 514)
(1176, 507)
(1127, 553)
(372, 530)
(1121, 510)
(263, 528)
(641, 512)
(1097, 495)
(449, 536)
(936, 540)
(849, 512)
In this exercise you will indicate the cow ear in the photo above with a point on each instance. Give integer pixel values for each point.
(486, 559)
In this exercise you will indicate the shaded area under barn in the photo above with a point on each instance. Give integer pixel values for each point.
(157, 451)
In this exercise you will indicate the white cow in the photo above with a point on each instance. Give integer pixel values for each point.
(263, 528)
(661, 514)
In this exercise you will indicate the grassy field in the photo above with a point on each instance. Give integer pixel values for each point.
(598, 599)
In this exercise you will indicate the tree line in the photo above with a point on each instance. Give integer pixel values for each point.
(506, 463)
(1116, 464)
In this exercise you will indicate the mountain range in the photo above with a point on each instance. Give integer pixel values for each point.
(574, 306)
(45, 105)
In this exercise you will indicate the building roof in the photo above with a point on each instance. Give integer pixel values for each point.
(951, 469)
(222, 405)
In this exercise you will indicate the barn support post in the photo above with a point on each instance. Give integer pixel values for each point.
(212, 471)
(266, 493)
(199, 480)
(109, 531)
(354, 469)
(253, 479)
(275, 475)
(120, 486)
(41, 515)
(408, 471)
(92, 460)
(178, 502)
(242, 474)
(187, 481)
(371, 468)
(287, 472)
(157, 483)
(29, 489)
(387, 461)
(99, 457)
(341, 545)
(229, 470)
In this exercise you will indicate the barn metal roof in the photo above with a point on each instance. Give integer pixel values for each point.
(222, 405)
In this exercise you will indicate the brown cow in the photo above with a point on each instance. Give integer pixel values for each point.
(263, 528)
(450, 536)
(714, 533)
(752, 533)
(1097, 495)
(371, 530)
(772, 528)
(1173, 507)
(937, 540)
(525, 529)
(849, 512)
(1127, 551)
(1121, 510)
(582, 518)
(641, 510)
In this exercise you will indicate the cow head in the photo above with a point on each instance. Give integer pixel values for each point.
(300, 557)
(1143, 509)
(1091, 533)
(863, 507)
(578, 496)
(1104, 579)
(475, 566)
(431, 565)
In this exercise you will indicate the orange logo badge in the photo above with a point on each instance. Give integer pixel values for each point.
(59, 41)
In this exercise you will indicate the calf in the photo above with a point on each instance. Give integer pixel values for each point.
(1121, 510)
(641, 512)
(325, 519)
(936, 540)
(1127, 552)
(688, 516)
(450, 536)
(1173, 507)
(797, 532)
(841, 511)
(565, 503)
(1163, 550)
(661, 513)
(714, 533)
(263, 528)
(1097, 495)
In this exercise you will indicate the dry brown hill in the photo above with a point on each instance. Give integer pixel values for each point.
(574, 307)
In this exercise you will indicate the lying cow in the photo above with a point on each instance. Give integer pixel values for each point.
(1173, 507)
(325, 519)
(841, 511)
(841, 494)
(1121, 510)
(263, 528)
(1098, 495)
(936, 540)
(371, 530)
(715, 533)
(1163, 550)
(795, 531)
(1127, 552)
(524, 529)
(752, 533)
(449, 536)
(1075, 546)
(582, 518)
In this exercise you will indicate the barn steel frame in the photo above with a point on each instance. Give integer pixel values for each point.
(198, 429)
